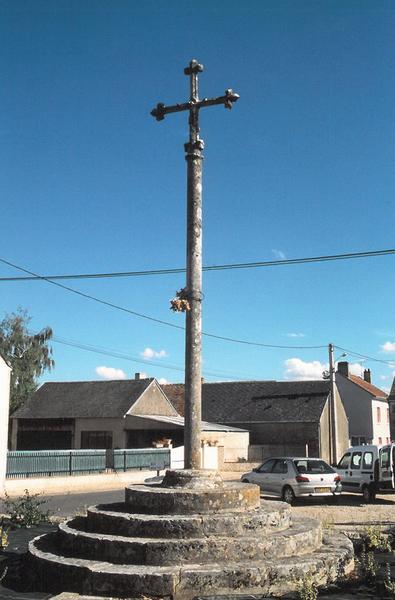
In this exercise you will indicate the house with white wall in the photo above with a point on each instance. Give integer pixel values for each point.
(5, 377)
(366, 407)
(391, 403)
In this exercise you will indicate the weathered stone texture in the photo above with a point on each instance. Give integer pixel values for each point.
(187, 540)
(160, 500)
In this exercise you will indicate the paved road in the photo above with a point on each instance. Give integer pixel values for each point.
(67, 505)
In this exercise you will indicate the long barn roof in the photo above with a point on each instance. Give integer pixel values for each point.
(259, 401)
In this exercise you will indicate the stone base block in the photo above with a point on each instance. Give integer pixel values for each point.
(235, 497)
(115, 520)
(72, 540)
(279, 576)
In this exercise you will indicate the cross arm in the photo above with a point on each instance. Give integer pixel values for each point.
(227, 100)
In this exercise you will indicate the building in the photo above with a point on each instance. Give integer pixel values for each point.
(132, 413)
(366, 407)
(5, 379)
(391, 405)
(283, 417)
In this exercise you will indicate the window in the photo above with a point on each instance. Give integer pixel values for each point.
(356, 460)
(388, 440)
(388, 415)
(358, 440)
(367, 462)
(280, 467)
(380, 440)
(385, 458)
(345, 461)
(378, 415)
(95, 440)
(266, 467)
(312, 466)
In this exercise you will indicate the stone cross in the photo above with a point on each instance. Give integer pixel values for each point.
(193, 291)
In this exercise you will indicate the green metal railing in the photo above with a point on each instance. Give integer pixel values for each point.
(36, 463)
(145, 458)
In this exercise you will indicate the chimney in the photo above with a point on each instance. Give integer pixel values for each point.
(342, 368)
(367, 376)
(137, 376)
(202, 380)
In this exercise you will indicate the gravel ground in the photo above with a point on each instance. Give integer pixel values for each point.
(349, 511)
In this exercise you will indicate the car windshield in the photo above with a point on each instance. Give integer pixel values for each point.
(304, 465)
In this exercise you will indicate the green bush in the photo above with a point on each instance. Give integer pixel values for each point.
(389, 585)
(3, 545)
(369, 566)
(25, 510)
(374, 539)
(307, 588)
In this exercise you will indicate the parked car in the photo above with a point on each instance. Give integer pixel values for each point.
(290, 478)
(368, 469)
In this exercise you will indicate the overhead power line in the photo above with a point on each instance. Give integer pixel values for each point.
(207, 373)
(225, 267)
(143, 361)
(153, 319)
(391, 363)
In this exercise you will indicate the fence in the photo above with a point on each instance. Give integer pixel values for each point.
(147, 458)
(72, 462)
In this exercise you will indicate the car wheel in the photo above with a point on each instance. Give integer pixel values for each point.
(288, 495)
(245, 481)
(368, 494)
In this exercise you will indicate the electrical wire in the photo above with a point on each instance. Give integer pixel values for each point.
(391, 363)
(231, 266)
(126, 356)
(149, 318)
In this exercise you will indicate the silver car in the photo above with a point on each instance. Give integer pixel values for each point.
(291, 478)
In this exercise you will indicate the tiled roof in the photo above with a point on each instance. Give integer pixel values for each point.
(262, 401)
(83, 399)
(180, 422)
(369, 387)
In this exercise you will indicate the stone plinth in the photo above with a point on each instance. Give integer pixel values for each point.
(189, 491)
(191, 535)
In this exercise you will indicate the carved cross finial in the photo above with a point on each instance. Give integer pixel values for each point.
(194, 104)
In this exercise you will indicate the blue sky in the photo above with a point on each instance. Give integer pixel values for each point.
(302, 166)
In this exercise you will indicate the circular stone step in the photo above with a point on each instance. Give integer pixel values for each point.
(115, 520)
(59, 573)
(229, 497)
(72, 540)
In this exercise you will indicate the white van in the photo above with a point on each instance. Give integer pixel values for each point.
(368, 469)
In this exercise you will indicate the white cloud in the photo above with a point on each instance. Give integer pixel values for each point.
(110, 373)
(162, 381)
(296, 335)
(150, 353)
(383, 377)
(388, 347)
(279, 254)
(356, 369)
(296, 368)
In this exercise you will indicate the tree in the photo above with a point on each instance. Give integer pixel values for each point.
(29, 355)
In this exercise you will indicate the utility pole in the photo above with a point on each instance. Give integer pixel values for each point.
(332, 406)
(192, 294)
